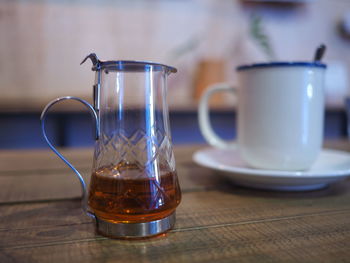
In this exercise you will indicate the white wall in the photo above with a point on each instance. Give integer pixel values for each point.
(43, 42)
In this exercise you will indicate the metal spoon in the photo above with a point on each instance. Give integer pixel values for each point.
(319, 53)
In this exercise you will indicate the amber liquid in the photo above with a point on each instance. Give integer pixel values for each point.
(124, 194)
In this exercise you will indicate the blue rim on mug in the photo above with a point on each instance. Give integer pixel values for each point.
(315, 64)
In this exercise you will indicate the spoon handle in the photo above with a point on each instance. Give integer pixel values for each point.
(320, 52)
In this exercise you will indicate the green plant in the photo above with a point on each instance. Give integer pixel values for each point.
(261, 38)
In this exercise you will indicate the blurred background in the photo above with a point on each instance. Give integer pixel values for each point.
(43, 42)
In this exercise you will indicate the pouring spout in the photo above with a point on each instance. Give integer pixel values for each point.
(94, 59)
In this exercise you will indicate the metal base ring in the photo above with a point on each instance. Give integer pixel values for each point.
(134, 230)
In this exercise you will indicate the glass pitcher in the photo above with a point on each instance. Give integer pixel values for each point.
(134, 188)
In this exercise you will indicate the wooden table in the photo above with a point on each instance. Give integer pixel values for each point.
(41, 220)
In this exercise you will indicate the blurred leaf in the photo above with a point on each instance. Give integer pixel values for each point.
(262, 39)
(184, 48)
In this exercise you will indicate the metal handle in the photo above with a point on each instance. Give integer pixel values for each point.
(97, 134)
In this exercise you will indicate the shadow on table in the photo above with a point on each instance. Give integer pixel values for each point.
(206, 179)
(336, 189)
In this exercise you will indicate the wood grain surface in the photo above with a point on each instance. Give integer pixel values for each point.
(41, 220)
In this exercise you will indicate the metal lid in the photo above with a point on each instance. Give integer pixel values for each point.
(282, 64)
(127, 65)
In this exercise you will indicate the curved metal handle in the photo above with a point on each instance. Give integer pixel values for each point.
(95, 116)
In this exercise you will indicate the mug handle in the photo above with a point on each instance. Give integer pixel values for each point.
(97, 134)
(204, 120)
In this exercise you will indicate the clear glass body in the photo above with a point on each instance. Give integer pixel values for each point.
(134, 176)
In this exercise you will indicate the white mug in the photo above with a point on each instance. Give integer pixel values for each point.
(280, 114)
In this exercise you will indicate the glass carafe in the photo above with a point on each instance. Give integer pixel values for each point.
(134, 188)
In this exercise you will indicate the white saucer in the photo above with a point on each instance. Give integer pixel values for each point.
(331, 166)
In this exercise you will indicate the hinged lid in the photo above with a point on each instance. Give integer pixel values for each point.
(127, 65)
